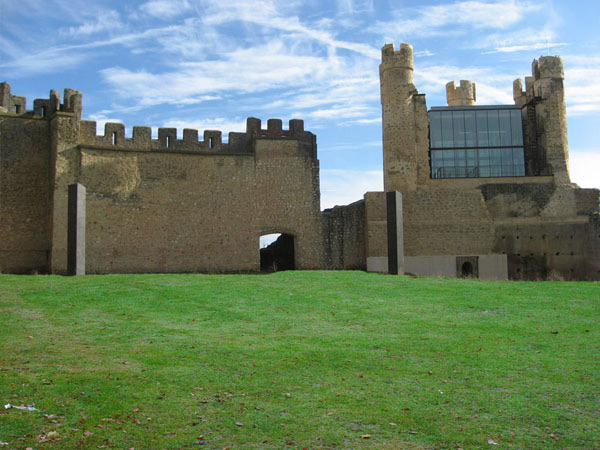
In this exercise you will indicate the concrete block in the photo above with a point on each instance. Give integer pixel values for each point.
(378, 264)
(76, 230)
(395, 233)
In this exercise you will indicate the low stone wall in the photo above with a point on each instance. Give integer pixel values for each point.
(344, 236)
(490, 267)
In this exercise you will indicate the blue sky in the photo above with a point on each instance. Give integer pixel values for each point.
(209, 64)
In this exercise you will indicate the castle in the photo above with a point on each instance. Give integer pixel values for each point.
(469, 191)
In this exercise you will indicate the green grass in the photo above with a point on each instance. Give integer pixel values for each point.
(298, 360)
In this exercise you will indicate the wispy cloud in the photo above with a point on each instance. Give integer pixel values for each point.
(242, 71)
(521, 48)
(458, 17)
(321, 86)
(492, 87)
(581, 85)
(101, 120)
(43, 62)
(267, 14)
(355, 6)
(165, 9)
(223, 124)
(105, 21)
(351, 146)
(521, 39)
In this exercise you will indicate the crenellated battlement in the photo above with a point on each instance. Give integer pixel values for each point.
(275, 128)
(212, 142)
(545, 115)
(401, 61)
(548, 67)
(463, 95)
(16, 104)
(544, 68)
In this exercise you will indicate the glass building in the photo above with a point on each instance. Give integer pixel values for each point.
(476, 141)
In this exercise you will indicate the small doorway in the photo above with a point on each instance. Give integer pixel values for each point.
(467, 266)
(276, 252)
(467, 269)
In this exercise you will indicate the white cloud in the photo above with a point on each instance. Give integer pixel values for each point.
(105, 21)
(267, 14)
(492, 87)
(423, 53)
(355, 6)
(242, 71)
(341, 187)
(43, 62)
(529, 47)
(526, 37)
(165, 9)
(341, 112)
(342, 147)
(584, 168)
(218, 123)
(101, 120)
(458, 18)
(363, 121)
(582, 89)
(309, 85)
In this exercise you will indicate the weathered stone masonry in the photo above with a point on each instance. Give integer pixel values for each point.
(155, 205)
(540, 223)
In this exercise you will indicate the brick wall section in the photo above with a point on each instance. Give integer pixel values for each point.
(446, 222)
(537, 251)
(25, 194)
(344, 236)
(168, 211)
(66, 165)
(287, 197)
(545, 230)
(517, 199)
(376, 224)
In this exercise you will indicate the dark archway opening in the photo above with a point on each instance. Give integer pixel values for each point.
(277, 252)
(467, 269)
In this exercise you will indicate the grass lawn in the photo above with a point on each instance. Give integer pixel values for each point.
(298, 360)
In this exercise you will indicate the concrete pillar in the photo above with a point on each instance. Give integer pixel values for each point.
(76, 230)
(395, 233)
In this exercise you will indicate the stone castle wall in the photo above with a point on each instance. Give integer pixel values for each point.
(446, 222)
(191, 203)
(154, 205)
(178, 210)
(25, 194)
(480, 216)
(344, 236)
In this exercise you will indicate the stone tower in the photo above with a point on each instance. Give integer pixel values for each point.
(463, 95)
(545, 118)
(405, 122)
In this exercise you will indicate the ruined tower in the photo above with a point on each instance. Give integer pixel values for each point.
(404, 117)
(545, 119)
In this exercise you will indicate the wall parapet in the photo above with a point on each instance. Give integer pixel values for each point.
(463, 95)
(546, 67)
(212, 141)
(401, 60)
(16, 104)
